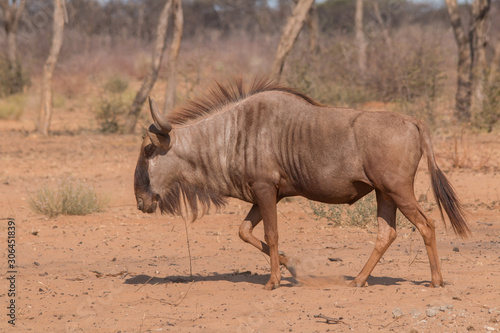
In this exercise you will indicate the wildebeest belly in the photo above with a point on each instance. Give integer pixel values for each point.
(335, 182)
(339, 193)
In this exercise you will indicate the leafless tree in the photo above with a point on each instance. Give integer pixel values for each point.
(479, 36)
(172, 57)
(140, 19)
(150, 79)
(45, 114)
(471, 55)
(313, 26)
(360, 37)
(495, 64)
(289, 35)
(464, 65)
(381, 23)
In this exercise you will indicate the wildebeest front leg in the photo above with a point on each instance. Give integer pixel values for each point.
(386, 217)
(266, 199)
(251, 220)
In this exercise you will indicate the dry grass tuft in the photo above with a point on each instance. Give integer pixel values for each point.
(71, 197)
(468, 153)
(12, 107)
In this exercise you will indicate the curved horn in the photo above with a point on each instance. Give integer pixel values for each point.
(161, 124)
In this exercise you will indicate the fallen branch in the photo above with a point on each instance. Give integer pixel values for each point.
(392, 322)
(330, 320)
(99, 274)
(478, 304)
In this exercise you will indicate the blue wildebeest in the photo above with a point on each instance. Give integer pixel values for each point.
(269, 142)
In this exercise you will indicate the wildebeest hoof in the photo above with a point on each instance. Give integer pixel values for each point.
(271, 285)
(437, 284)
(356, 284)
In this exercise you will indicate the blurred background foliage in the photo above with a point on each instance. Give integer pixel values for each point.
(104, 40)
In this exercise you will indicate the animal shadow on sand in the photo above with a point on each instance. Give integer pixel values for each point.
(235, 277)
(387, 281)
(261, 279)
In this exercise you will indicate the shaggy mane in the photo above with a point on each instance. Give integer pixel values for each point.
(220, 95)
(186, 200)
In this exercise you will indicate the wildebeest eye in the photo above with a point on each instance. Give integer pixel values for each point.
(149, 150)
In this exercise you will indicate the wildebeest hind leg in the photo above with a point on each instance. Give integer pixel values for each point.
(251, 220)
(408, 205)
(386, 217)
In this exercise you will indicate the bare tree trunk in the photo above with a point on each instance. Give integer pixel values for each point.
(478, 36)
(289, 36)
(140, 19)
(172, 57)
(313, 25)
(150, 79)
(45, 115)
(464, 65)
(11, 46)
(360, 37)
(381, 23)
(495, 64)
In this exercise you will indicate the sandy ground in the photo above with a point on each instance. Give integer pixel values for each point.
(125, 271)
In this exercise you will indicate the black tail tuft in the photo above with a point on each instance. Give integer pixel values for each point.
(443, 191)
(447, 199)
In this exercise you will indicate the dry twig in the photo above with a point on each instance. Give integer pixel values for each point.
(175, 303)
(145, 283)
(189, 250)
(185, 294)
(392, 322)
(330, 320)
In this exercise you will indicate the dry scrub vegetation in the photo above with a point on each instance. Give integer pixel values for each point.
(411, 64)
(414, 71)
(69, 197)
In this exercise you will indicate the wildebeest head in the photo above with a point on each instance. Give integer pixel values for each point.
(163, 179)
(157, 143)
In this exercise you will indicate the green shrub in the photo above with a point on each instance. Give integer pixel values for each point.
(113, 105)
(12, 107)
(71, 197)
(109, 113)
(116, 85)
(12, 80)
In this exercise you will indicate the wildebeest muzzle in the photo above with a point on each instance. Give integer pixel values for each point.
(145, 208)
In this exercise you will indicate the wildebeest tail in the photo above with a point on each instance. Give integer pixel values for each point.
(443, 191)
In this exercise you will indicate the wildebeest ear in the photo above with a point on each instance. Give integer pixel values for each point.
(159, 140)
